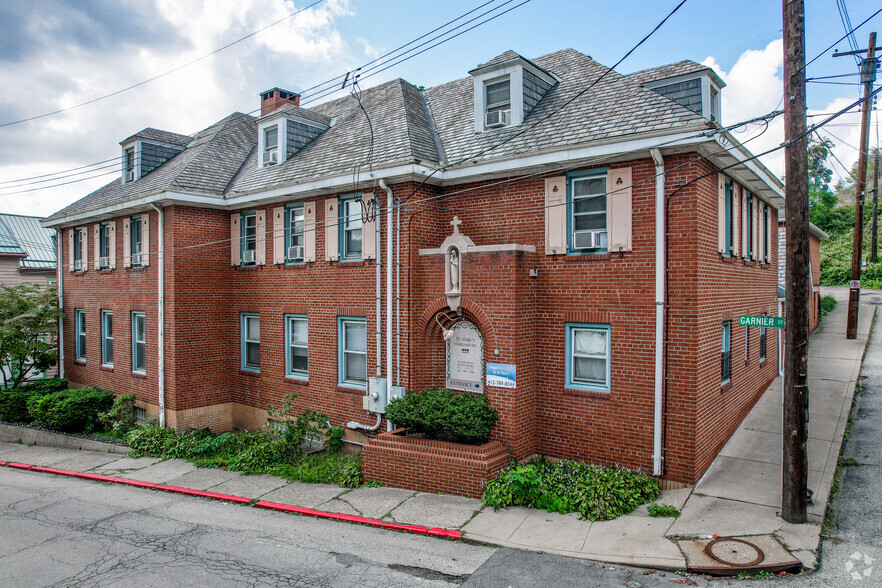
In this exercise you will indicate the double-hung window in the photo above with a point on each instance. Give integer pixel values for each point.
(588, 357)
(107, 338)
(130, 164)
(78, 250)
(588, 230)
(749, 220)
(726, 353)
(104, 245)
(497, 103)
(249, 237)
(80, 325)
(763, 342)
(135, 240)
(294, 233)
(351, 221)
(297, 352)
(352, 351)
(271, 145)
(139, 342)
(250, 341)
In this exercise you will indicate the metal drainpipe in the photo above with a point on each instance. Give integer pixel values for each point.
(60, 274)
(659, 307)
(379, 265)
(388, 290)
(398, 295)
(161, 312)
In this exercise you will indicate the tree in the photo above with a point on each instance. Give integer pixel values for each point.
(822, 200)
(28, 325)
(845, 187)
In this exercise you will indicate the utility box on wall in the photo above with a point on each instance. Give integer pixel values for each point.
(376, 398)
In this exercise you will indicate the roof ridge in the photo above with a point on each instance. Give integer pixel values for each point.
(221, 125)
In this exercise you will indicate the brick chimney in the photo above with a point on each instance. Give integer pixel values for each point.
(275, 98)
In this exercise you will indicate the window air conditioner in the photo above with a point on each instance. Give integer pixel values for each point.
(103, 262)
(498, 118)
(295, 252)
(248, 256)
(136, 259)
(270, 157)
(586, 240)
(78, 265)
(130, 175)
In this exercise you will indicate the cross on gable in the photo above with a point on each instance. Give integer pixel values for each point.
(455, 223)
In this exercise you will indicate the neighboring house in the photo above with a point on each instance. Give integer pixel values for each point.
(27, 255)
(564, 242)
(815, 237)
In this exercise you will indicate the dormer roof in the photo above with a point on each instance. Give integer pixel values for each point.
(673, 70)
(159, 136)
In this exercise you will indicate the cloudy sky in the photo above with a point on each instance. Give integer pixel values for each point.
(57, 54)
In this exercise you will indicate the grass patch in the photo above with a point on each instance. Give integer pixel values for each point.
(596, 493)
(828, 303)
(663, 510)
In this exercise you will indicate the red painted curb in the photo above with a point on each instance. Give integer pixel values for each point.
(137, 483)
(2, 463)
(20, 466)
(202, 493)
(53, 471)
(419, 530)
(448, 533)
(96, 477)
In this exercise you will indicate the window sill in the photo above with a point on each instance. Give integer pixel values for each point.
(726, 258)
(140, 375)
(351, 262)
(106, 368)
(351, 390)
(78, 272)
(575, 257)
(748, 262)
(763, 362)
(294, 264)
(297, 380)
(80, 362)
(588, 393)
(136, 268)
(726, 386)
(247, 268)
(105, 270)
(246, 372)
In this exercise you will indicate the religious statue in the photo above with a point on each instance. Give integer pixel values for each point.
(453, 269)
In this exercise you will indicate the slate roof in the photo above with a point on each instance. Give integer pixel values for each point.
(159, 136)
(304, 113)
(655, 74)
(25, 235)
(221, 161)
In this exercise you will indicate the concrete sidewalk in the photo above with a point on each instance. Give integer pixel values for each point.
(739, 496)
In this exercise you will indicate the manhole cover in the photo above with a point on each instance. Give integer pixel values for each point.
(734, 552)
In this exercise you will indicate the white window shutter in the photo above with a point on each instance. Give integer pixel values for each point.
(756, 236)
(769, 229)
(309, 231)
(745, 223)
(260, 254)
(721, 213)
(279, 253)
(332, 244)
(112, 247)
(368, 231)
(618, 209)
(736, 218)
(70, 251)
(127, 243)
(235, 239)
(145, 239)
(556, 215)
(96, 231)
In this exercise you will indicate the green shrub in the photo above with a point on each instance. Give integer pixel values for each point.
(75, 410)
(14, 402)
(596, 493)
(149, 439)
(121, 417)
(323, 468)
(442, 414)
(828, 303)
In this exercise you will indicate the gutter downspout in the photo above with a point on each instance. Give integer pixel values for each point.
(388, 289)
(657, 450)
(398, 294)
(60, 274)
(379, 264)
(161, 312)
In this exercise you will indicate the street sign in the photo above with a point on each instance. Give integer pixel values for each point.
(771, 322)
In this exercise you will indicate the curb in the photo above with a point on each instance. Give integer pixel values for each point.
(335, 516)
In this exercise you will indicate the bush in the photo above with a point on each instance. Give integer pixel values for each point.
(596, 493)
(444, 415)
(14, 402)
(121, 418)
(149, 439)
(828, 303)
(663, 510)
(75, 410)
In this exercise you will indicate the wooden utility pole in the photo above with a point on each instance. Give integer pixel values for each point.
(794, 503)
(868, 76)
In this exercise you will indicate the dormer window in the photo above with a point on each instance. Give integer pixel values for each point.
(699, 90)
(497, 101)
(506, 89)
(129, 162)
(271, 145)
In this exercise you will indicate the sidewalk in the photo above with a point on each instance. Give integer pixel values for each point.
(739, 496)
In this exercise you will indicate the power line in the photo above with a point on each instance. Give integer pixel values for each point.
(156, 77)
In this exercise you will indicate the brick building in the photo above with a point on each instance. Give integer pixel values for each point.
(562, 240)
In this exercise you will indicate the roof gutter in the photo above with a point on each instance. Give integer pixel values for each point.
(160, 312)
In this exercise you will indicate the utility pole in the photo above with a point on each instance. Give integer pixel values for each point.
(794, 499)
(868, 76)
